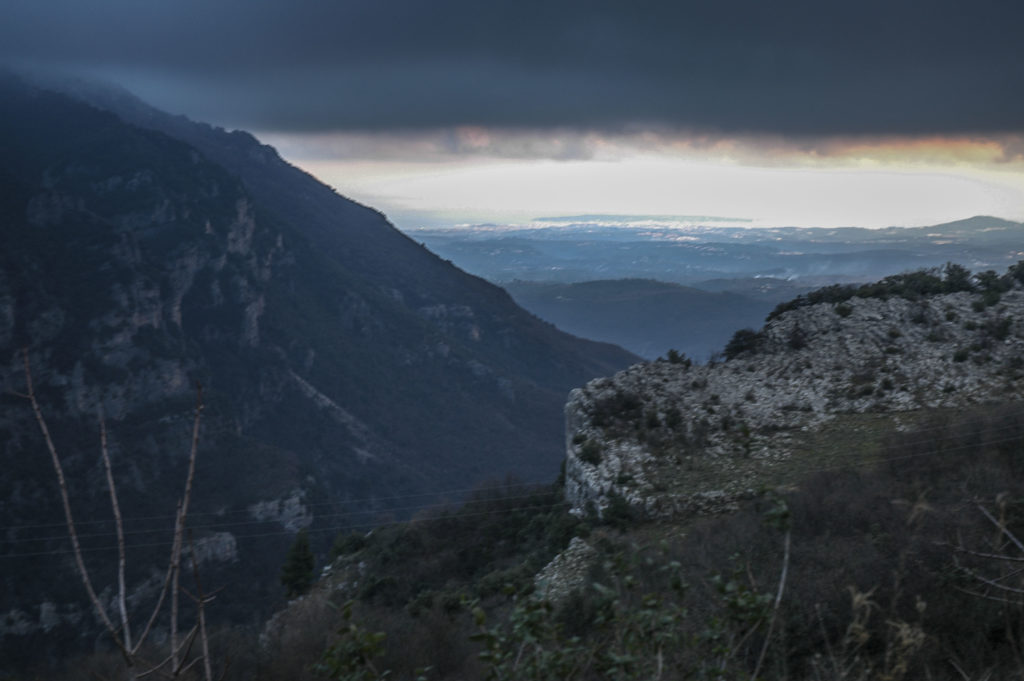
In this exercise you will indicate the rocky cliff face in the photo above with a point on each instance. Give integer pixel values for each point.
(668, 439)
(345, 368)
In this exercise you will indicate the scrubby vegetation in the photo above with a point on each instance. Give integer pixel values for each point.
(908, 569)
(951, 278)
(901, 571)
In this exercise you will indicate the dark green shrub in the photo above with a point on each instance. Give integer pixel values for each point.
(590, 453)
(676, 357)
(618, 407)
(673, 417)
(998, 329)
(989, 280)
(345, 544)
(297, 572)
(618, 513)
(744, 341)
(797, 339)
(991, 297)
(956, 278)
(1016, 272)
(651, 420)
(843, 310)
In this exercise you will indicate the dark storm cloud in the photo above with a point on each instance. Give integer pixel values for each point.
(878, 66)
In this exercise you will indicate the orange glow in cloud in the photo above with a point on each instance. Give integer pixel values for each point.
(929, 151)
(480, 175)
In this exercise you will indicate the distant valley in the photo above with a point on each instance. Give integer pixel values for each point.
(651, 283)
(644, 316)
(692, 251)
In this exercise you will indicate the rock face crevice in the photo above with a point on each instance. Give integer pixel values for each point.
(671, 439)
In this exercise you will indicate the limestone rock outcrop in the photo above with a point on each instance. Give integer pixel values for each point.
(668, 438)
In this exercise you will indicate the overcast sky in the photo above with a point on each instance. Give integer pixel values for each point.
(392, 88)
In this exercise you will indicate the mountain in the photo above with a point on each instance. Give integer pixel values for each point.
(348, 373)
(859, 454)
(644, 316)
(669, 439)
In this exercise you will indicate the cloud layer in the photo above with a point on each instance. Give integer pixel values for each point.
(804, 67)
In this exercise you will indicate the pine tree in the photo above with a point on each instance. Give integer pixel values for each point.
(297, 572)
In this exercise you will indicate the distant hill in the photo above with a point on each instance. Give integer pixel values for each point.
(348, 372)
(644, 316)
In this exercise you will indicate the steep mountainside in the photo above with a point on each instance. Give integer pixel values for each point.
(644, 316)
(668, 438)
(346, 369)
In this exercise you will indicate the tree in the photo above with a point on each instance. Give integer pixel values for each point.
(297, 572)
(957, 278)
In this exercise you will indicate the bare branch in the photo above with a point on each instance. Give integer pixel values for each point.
(988, 597)
(122, 605)
(1002, 527)
(984, 554)
(200, 604)
(957, 667)
(179, 525)
(186, 648)
(163, 663)
(775, 606)
(991, 582)
(180, 652)
(179, 522)
(193, 450)
(69, 519)
(157, 607)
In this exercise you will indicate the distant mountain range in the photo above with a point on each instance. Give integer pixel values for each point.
(348, 372)
(687, 250)
(650, 283)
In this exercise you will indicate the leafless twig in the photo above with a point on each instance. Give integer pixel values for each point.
(179, 652)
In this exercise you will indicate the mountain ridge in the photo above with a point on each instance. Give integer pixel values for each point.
(345, 368)
(673, 438)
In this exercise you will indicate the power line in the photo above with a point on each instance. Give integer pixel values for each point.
(231, 524)
(171, 517)
(416, 508)
(320, 530)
